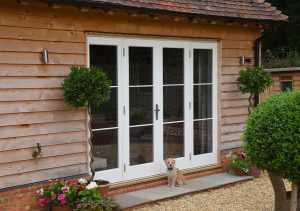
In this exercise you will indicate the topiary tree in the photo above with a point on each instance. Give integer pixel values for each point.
(272, 137)
(86, 87)
(253, 80)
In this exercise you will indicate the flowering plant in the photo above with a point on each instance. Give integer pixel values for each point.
(238, 160)
(80, 193)
(59, 192)
(90, 199)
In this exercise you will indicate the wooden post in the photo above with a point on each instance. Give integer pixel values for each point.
(294, 197)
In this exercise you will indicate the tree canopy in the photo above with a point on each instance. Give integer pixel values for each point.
(288, 34)
(272, 135)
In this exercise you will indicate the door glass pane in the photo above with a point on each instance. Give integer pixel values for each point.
(105, 149)
(140, 65)
(141, 145)
(202, 101)
(105, 142)
(173, 63)
(202, 66)
(141, 104)
(203, 137)
(105, 57)
(173, 140)
(106, 115)
(173, 103)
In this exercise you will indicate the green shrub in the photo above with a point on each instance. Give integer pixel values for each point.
(85, 87)
(272, 135)
(280, 58)
(254, 80)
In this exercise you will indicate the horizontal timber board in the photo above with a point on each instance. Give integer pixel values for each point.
(48, 151)
(9, 95)
(235, 103)
(231, 61)
(42, 117)
(33, 106)
(233, 119)
(229, 79)
(230, 70)
(231, 145)
(233, 128)
(30, 46)
(40, 129)
(229, 53)
(35, 58)
(234, 111)
(30, 82)
(229, 87)
(237, 44)
(34, 70)
(44, 140)
(231, 136)
(36, 176)
(233, 95)
(24, 33)
(42, 163)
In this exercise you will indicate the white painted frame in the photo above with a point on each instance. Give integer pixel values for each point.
(156, 167)
(147, 169)
(112, 175)
(208, 158)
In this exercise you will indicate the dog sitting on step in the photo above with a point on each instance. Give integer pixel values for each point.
(175, 177)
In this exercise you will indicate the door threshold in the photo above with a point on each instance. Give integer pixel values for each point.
(158, 180)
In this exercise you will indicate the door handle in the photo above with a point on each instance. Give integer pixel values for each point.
(156, 111)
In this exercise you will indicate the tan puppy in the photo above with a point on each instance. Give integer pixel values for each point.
(175, 177)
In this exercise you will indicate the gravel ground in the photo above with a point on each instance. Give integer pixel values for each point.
(256, 195)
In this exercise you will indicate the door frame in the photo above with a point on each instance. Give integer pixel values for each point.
(146, 169)
(117, 172)
(208, 158)
(157, 167)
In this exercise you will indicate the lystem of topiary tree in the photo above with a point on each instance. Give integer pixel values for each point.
(272, 138)
(84, 88)
(253, 80)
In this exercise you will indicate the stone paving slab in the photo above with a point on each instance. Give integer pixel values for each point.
(136, 198)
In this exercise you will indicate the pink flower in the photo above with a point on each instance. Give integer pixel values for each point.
(63, 201)
(53, 197)
(61, 197)
(43, 201)
(46, 201)
(40, 192)
(65, 189)
(49, 182)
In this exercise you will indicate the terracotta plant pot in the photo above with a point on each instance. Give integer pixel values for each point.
(255, 172)
(103, 187)
(239, 172)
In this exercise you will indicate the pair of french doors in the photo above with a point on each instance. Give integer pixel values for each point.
(162, 105)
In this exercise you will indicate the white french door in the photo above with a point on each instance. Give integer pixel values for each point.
(163, 104)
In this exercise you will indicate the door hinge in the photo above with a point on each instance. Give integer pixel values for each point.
(123, 51)
(124, 167)
(190, 156)
(190, 105)
(190, 53)
(124, 110)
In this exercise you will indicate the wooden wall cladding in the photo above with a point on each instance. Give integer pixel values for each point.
(31, 103)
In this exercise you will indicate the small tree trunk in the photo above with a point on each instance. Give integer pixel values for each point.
(90, 141)
(294, 197)
(250, 104)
